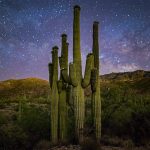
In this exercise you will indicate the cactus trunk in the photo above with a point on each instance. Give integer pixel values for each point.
(75, 76)
(96, 101)
(62, 86)
(53, 73)
(78, 92)
(62, 111)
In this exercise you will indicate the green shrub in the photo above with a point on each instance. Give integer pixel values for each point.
(12, 137)
(36, 123)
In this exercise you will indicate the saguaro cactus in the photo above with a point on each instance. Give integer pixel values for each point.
(75, 75)
(76, 82)
(95, 84)
(62, 87)
(53, 78)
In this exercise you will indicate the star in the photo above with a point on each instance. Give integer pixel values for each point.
(28, 31)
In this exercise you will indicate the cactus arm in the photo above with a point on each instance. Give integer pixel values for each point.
(50, 68)
(64, 49)
(72, 75)
(59, 85)
(64, 74)
(96, 45)
(94, 77)
(63, 60)
(55, 65)
(62, 90)
(88, 68)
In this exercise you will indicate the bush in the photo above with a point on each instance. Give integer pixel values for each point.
(140, 127)
(12, 137)
(128, 144)
(35, 122)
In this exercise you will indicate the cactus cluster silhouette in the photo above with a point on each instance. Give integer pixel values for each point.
(70, 85)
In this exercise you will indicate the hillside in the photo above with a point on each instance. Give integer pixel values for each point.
(138, 74)
(32, 88)
(29, 87)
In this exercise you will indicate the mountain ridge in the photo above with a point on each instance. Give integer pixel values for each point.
(35, 88)
(126, 75)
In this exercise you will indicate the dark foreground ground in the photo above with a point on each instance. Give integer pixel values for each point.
(77, 147)
(25, 114)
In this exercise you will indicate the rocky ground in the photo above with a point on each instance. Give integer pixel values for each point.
(77, 147)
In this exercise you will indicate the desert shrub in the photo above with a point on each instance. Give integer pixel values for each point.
(36, 123)
(128, 144)
(2, 104)
(12, 137)
(24, 127)
(126, 114)
(3, 119)
(140, 127)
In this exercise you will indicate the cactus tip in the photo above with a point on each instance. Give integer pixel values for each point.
(89, 54)
(49, 64)
(77, 7)
(55, 48)
(95, 22)
(64, 35)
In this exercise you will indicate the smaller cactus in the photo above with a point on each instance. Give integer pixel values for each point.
(62, 89)
(53, 78)
(95, 85)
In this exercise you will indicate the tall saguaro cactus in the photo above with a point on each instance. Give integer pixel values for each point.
(75, 76)
(53, 76)
(62, 87)
(78, 93)
(77, 83)
(95, 84)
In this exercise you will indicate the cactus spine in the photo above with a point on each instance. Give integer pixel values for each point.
(95, 84)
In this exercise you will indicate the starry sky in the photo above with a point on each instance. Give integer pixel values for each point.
(29, 28)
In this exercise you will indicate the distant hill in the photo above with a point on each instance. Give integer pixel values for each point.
(138, 74)
(29, 87)
(34, 88)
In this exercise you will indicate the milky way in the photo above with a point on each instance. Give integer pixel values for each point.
(29, 28)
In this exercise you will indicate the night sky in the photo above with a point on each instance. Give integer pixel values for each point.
(29, 28)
